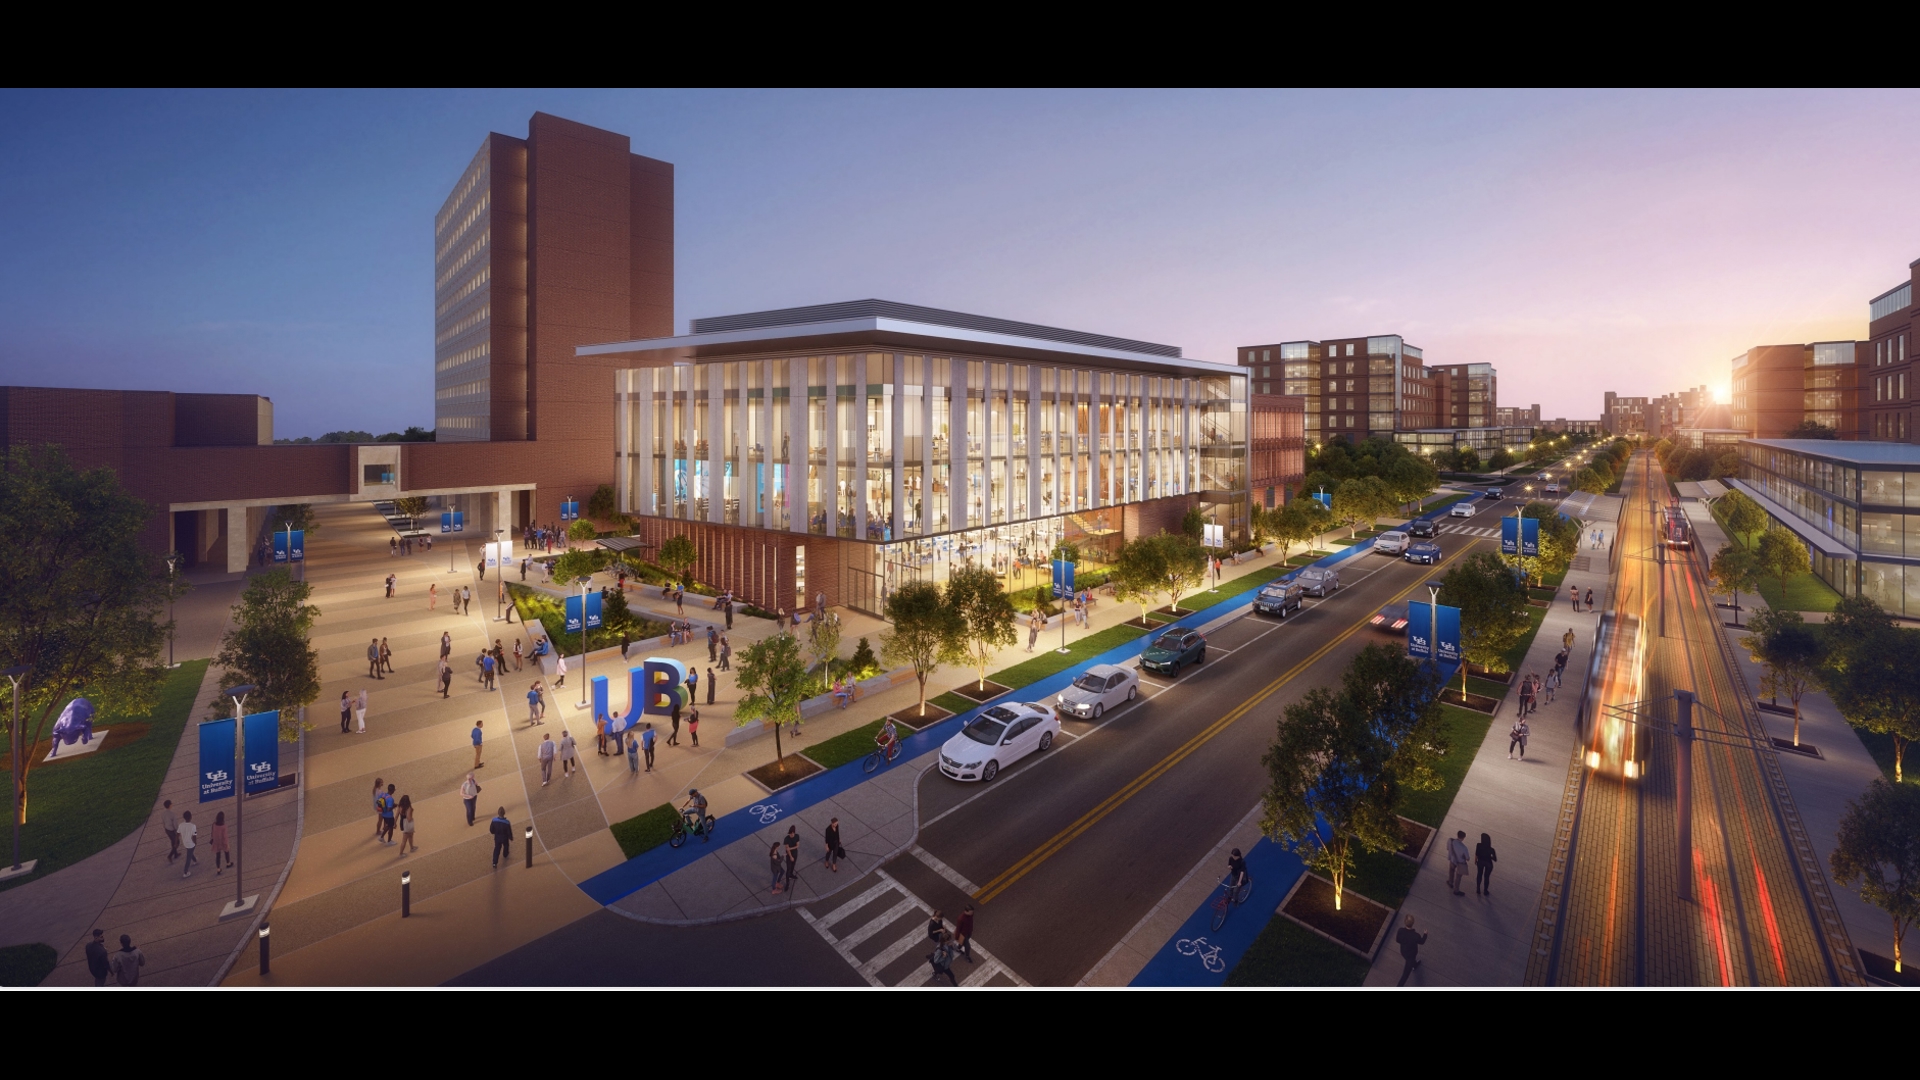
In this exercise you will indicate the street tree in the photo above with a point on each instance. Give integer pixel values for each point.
(582, 530)
(1466, 459)
(602, 504)
(1877, 852)
(1341, 759)
(1362, 499)
(1735, 570)
(677, 555)
(1781, 555)
(1791, 655)
(1870, 675)
(823, 644)
(773, 682)
(976, 595)
(1500, 460)
(1193, 523)
(80, 603)
(925, 632)
(1138, 573)
(1183, 566)
(1592, 481)
(1411, 479)
(1294, 523)
(571, 565)
(1743, 516)
(268, 648)
(412, 506)
(1493, 610)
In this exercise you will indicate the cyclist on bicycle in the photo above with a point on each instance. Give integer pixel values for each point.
(695, 809)
(1237, 874)
(887, 738)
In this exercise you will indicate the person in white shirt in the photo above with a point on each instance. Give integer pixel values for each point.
(187, 831)
(1456, 862)
(360, 710)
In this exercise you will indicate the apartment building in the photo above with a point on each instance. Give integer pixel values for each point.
(1778, 387)
(1886, 377)
(1373, 386)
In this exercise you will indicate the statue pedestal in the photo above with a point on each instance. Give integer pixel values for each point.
(7, 871)
(60, 751)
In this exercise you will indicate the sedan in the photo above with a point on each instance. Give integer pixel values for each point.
(1426, 551)
(996, 739)
(1320, 581)
(1174, 650)
(1494, 493)
(1463, 508)
(1391, 619)
(1101, 688)
(1422, 530)
(1280, 598)
(1553, 489)
(1390, 543)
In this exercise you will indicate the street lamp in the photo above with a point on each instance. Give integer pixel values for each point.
(500, 579)
(16, 675)
(584, 581)
(241, 903)
(529, 847)
(173, 567)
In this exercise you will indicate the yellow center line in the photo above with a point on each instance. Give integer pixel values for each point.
(1113, 802)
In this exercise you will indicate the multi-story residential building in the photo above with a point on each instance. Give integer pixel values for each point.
(1574, 427)
(1367, 387)
(1886, 379)
(1623, 415)
(1515, 416)
(1778, 387)
(1472, 395)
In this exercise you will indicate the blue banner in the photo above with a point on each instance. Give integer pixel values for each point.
(1520, 536)
(452, 521)
(1433, 632)
(1420, 630)
(216, 760)
(666, 682)
(599, 696)
(1062, 578)
(1323, 499)
(290, 546)
(262, 752)
(570, 510)
(1447, 636)
(280, 547)
(573, 612)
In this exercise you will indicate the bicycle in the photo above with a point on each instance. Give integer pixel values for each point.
(1209, 954)
(690, 821)
(882, 756)
(1231, 896)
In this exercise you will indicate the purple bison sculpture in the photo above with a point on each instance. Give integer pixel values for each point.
(74, 726)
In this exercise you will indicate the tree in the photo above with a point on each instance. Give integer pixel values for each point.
(926, 632)
(410, 506)
(601, 505)
(1290, 524)
(976, 595)
(570, 566)
(863, 661)
(1194, 523)
(299, 516)
(1138, 573)
(1500, 460)
(1411, 479)
(1735, 570)
(1726, 463)
(677, 555)
(1466, 459)
(1782, 555)
(79, 601)
(1870, 675)
(268, 648)
(1183, 566)
(615, 615)
(582, 530)
(1361, 499)
(823, 643)
(1743, 516)
(1791, 654)
(1591, 481)
(1493, 610)
(1877, 852)
(1341, 759)
(1559, 536)
(773, 682)
(1810, 429)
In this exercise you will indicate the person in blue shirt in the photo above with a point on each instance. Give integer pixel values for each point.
(646, 744)
(533, 705)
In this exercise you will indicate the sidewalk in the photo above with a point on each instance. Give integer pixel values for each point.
(1485, 941)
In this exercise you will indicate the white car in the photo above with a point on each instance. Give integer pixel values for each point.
(1103, 687)
(1463, 508)
(997, 738)
(1390, 543)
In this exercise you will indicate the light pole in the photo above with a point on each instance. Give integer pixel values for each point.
(1683, 790)
(16, 675)
(584, 581)
(173, 565)
(241, 903)
(500, 581)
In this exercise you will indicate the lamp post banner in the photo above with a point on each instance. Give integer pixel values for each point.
(1062, 578)
(216, 760)
(570, 510)
(1520, 536)
(1446, 637)
(573, 612)
(1420, 630)
(453, 521)
(297, 545)
(1323, 499)
(262, 752)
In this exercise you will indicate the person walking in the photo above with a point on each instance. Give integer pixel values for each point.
(516, 654)
(446, 677)
(559, 671)
(680, 601)
(729, 611)
(502, 831)
(98, 965)
(1457, 860)
(646, 744)
(963, 932)
(386, 656)
(373, 659)
(405, 814)
(1519, 739)
(726, 654)
(567, 764)
(469, 795)
(390, 580)
(1410, 941)
(533, 704)
(360, 710)
(941, 958)
(626, 642)
(693, 726)
(486, 670)
(126, 964)
(446, 644)
(673, 737)
(379, 792)
(477, 763)
(346, 713)
(1573, 594)
(433, 595)
(466, 599)
(633, 756)
(832, 860)
(1567, 639)
(388, 806)
(187, 841)
(219, 844)
(1552, 683)
(1483, 860)
(1526, 694)
(1589, 599)
(693, 684)
(792, 845)
(600, 735)
(712, 685)
(545, 753)
(1033, 629)
(713, 645)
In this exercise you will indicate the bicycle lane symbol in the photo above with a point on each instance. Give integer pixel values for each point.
(768, 813)
(1209, 954)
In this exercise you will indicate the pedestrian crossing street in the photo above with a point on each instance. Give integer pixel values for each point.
(1469, 530)
(882, 933)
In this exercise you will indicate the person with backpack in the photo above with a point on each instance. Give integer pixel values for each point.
(942, 959)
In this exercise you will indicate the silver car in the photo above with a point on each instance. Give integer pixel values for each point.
(1103, 687)
(1319, 581)
(1390, 543)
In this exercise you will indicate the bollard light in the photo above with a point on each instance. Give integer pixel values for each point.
(406, 893)
(529, 847)
(266, 966)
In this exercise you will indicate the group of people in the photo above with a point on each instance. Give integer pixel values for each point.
(462, 598)
(541, 537)
(391, 815)
(1573, 595)
(183, 840)
(403, 545)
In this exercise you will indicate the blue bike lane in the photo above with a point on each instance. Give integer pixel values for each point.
(1199, 955)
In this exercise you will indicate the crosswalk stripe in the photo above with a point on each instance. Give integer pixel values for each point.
(985, 968)
(856, 903)
(880, 922)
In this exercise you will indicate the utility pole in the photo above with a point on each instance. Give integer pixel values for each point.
(1683, 789)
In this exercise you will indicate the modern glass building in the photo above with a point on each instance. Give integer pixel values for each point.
(1855, 504)
(855, 446)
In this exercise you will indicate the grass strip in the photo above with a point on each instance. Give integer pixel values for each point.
(26, 965)
(79, 807)
(1288, 954)
(644, 832)
(1052, 663)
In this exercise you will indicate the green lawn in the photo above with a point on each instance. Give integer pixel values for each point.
(1288, 954)
(1804, 592)
(1445, 498)
(1881, 747)
(643, 832)
(26, 965)
(550, 612)
(855, 744)
(79, 807)
(1307, 557)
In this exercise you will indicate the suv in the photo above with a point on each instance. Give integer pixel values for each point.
(1390, 543)
(1320, 581)
(1280, 598)
(1494, 493)
(1422, 530)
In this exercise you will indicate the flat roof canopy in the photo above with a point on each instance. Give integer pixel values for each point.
(1902, 455)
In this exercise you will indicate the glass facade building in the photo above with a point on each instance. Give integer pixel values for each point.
(1857, 506)
(989, 450)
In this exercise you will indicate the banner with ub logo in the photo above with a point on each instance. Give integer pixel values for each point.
(290, 546)
(1520, 536)
(664, 682)
(1062, 578)
(453, 521)
(262, 752)
(592, 613)
(216, 760)
(1433, 632)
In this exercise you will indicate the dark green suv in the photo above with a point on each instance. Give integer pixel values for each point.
(1174, 650)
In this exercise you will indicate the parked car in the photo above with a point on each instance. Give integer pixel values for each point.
(1101, 688)
(1494, 493)
(1174, 650)
(1280, 598)
(1426, 551)
(1390, 543)
(1463, 508)
(996, 739)
(1318, 580)
(1422, 530)
(1391, 619)
(1553, 489)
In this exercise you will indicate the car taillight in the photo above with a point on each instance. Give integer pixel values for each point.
(1400, 624)
(1378, 619)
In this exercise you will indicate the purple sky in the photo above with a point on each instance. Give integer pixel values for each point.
(282, 243)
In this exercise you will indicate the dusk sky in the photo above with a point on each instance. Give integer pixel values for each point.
(281, 243)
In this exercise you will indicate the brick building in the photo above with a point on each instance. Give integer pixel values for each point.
(1371, 387)
(1777, 387)
(1886, 378)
